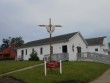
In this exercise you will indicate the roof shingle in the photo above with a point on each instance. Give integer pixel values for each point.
(56, 39)
(95, 41)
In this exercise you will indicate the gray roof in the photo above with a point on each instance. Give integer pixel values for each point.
(95, 41)
(56, 39)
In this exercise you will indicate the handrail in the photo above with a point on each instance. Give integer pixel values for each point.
(57, 56)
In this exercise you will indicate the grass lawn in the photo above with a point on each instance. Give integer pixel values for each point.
(6, 66)
(83, 71)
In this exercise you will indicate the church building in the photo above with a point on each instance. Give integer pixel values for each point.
(69, 44)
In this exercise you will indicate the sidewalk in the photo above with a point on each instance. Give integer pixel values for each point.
(105, 78)
(21, 69)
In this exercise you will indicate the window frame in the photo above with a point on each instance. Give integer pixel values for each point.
(96, 49)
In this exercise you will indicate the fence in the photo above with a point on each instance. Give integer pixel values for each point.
(57, 57)
(87, 56)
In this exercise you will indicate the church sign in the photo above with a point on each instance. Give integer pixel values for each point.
(53, 64)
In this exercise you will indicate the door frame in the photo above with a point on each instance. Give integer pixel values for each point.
(64, 49)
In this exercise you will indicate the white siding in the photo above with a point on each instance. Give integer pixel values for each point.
(92, 49)
(106, 46)
(57, 48)
(76, 41)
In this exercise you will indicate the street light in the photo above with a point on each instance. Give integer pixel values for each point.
(50, 28)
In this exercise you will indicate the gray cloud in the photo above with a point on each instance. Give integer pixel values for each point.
(21, 17)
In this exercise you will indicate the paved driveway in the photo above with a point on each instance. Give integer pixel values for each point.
(105, 78)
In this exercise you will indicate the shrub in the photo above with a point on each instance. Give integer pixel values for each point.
(33, 56)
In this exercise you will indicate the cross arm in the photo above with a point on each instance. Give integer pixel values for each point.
(42, 25)
(57, 25)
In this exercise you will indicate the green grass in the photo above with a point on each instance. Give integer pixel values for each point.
(6, 66)
(83, 71)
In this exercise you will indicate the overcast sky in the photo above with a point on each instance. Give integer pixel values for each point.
(22, 17)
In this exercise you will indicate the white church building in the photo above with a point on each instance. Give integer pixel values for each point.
(70, 44)
(67, 45)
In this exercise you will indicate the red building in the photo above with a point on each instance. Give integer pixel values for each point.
(8, 53)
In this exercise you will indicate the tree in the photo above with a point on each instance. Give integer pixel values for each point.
(12, 42)
(33, 56)
(16, 42)
(5, 43)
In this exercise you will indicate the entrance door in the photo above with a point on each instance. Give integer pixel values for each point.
(22, 54)
(78, 49)
(64, 49)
